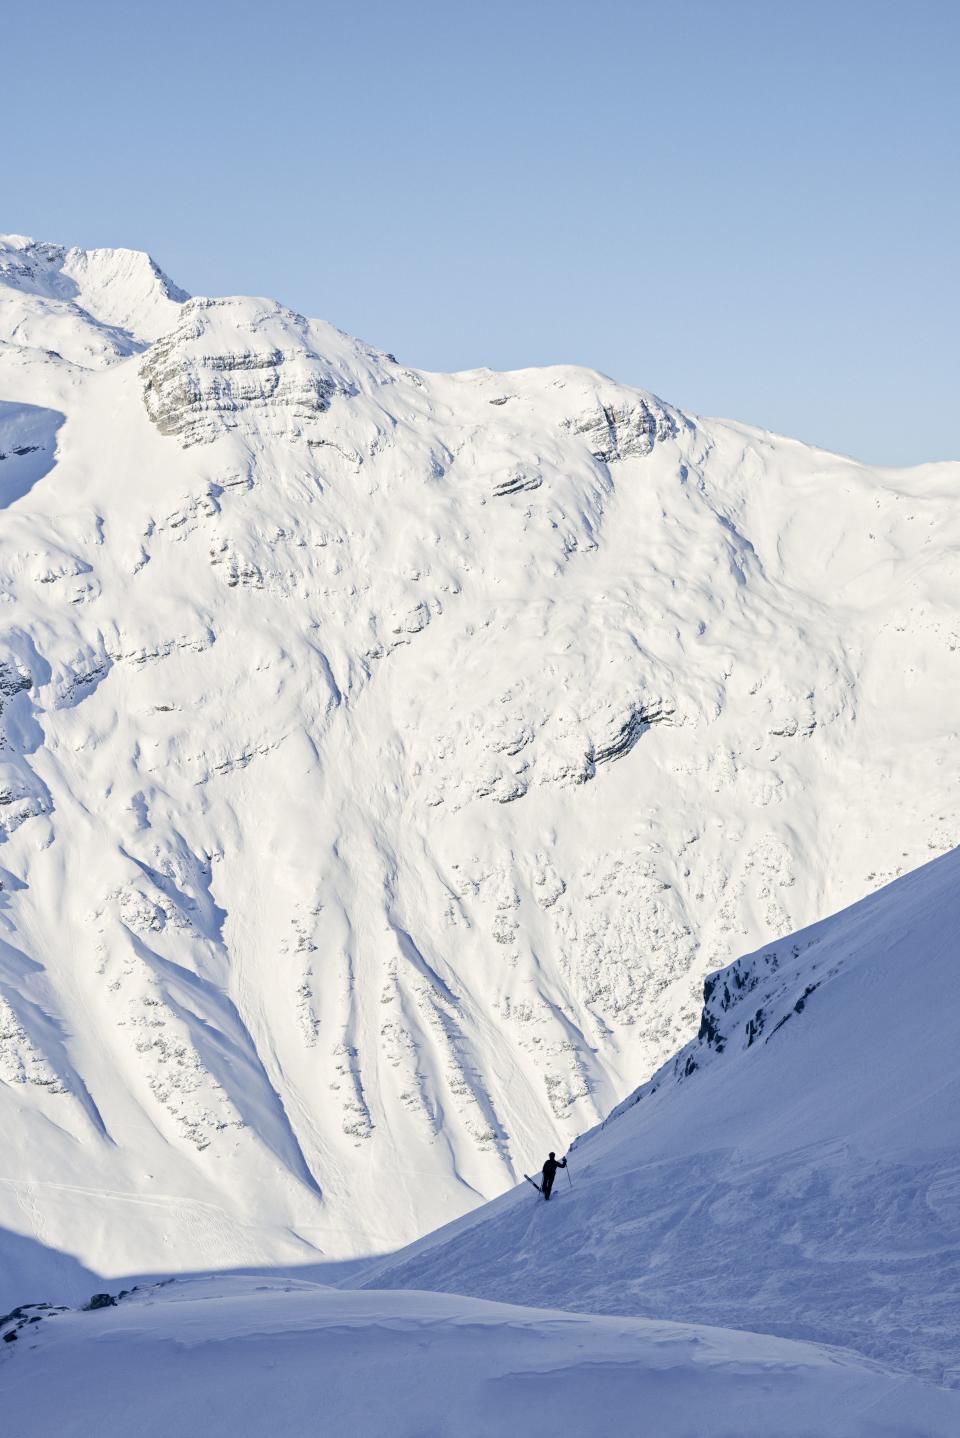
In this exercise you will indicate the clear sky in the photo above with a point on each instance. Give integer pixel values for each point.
(751, 207)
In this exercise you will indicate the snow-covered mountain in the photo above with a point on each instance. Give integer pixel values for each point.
(386, 756)
(793, 1170)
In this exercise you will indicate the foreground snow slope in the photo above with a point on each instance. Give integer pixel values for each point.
(795, 1170)
(385, 757)
(245, 1357)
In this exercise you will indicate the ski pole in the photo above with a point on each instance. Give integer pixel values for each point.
(569, 1179)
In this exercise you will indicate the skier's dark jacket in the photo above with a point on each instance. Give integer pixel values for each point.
(551, 1166)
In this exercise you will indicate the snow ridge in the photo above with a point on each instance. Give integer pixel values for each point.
(792, 1170)
(91, 307)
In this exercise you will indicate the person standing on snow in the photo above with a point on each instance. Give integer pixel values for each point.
(550, 1173)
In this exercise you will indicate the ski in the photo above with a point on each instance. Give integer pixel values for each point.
(530, 1180)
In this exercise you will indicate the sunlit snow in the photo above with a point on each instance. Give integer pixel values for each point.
(387, 757)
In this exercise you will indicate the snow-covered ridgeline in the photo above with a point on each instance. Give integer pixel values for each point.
(793, 1170)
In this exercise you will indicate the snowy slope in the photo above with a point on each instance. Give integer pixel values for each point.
(794, 1170)
(247, 1357)
(386, 757)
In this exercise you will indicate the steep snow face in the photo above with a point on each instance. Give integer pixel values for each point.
(387, 756)
(256, 1355)
(795, 1169)
(90, 307)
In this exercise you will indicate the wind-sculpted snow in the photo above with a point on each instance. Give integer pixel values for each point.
(794, 1169)
(386, 757)
(256, 1355)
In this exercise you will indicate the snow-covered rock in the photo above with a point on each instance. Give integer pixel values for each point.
(386, 757)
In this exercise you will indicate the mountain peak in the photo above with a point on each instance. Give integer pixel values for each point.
(121, 295)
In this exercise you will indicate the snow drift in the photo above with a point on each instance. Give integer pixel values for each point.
(245, 1357)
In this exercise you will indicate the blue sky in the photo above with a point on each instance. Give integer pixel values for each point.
(748, 206)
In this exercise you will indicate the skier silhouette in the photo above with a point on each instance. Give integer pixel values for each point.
(550, 1173)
